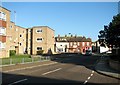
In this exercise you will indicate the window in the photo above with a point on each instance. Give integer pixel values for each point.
(20, 35)
(2, 31)
(60, 49)
(78, 43)
(39, 31)
(83, 43)
(87, 43)
(11, 26)
(39, 48)
(75, 43)
(16, 29)
(30, 30)
(20, 44)
(2, 16)
(71, 44)
(39, 39)
(2, 45)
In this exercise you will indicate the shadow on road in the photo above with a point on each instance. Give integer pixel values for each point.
(33, 80)
(77, 59)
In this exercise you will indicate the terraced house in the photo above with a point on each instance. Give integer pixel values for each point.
(23, 40)
(72, 44)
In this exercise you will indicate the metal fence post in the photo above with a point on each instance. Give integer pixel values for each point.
(23, 60)
(10, 61)
(32, 59)
(40, 58)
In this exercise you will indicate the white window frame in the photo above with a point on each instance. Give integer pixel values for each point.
(39, 47)
(40, 31)
(39, 40)
(71, 44)
(21, 44)
(21, 36)
(78, 43)
(88, 44)
(3, 16)
(83, 43)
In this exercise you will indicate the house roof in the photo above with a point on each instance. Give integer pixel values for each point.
(72, 39)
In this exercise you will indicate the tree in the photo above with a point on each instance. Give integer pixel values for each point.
(111, 33)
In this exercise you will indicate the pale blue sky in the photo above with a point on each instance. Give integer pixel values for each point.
(81, 18)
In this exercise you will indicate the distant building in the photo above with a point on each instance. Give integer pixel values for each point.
(100, 48)
(72, 44)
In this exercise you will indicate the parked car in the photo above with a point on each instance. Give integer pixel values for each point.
(88, 52)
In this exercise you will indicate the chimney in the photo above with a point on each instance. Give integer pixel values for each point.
(75, 36)
(65, 35)
(58, 36)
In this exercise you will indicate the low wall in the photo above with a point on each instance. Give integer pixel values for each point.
(114, 64)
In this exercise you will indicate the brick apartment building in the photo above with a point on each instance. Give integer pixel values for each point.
(40, 38)
(72, 44)
(23, 40)
(4, 25)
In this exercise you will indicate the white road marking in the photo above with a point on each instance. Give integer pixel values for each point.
(93, 71)
(89, 77)
(91, 74)
(51, 71)
(18, 81)
(30, 67)
(85, 82)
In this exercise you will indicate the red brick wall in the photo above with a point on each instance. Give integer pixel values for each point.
(3, 39)
(2, 23)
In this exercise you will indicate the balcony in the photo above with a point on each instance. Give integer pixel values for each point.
(2, 31)
(2, 39)
(3, 23)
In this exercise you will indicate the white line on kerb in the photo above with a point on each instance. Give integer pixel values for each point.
(18, 81)
(52, 71)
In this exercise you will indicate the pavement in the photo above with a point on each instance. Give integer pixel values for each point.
(103, 67)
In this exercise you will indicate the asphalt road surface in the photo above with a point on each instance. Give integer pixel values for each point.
(72, 69)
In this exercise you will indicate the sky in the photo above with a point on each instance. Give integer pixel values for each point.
(78, 18)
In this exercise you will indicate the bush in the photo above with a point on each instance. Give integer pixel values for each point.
(40, 52)
(12, 52)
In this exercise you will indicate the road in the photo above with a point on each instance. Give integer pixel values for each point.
(70, 70)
